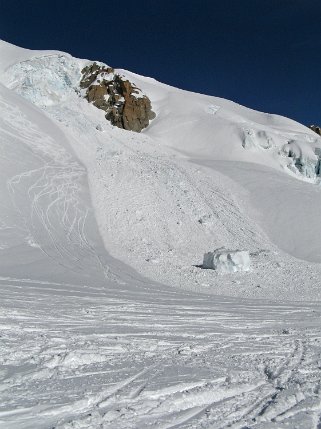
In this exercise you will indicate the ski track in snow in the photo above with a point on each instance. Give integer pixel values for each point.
(46, 202)
(145, 358)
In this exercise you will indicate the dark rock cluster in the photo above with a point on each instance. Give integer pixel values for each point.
(316, 129)
(125, 105)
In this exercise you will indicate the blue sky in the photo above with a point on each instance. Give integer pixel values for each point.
(265, 54)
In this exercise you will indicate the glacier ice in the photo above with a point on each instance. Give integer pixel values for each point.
(256, 139)
(227, 261)
(46, 80)
(249, 139)
(304, 158)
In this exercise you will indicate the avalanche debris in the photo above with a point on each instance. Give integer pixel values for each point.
(227, 261)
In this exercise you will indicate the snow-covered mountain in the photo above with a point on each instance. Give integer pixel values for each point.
(205, 173)
(95, 215)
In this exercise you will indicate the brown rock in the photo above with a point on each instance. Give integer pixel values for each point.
(137, 113)
(125, 105)
(316, 129)
(91, 72)
(96, 92)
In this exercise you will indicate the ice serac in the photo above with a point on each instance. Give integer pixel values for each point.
(227, 261)
(305, 158)
(125, 105)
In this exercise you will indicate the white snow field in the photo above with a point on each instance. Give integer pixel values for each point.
(107, 318)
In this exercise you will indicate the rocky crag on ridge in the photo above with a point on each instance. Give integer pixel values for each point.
(316, 129)
(125, 105)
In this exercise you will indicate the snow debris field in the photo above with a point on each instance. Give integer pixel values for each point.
(107, 318)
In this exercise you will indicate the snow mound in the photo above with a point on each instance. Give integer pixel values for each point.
(227, 261)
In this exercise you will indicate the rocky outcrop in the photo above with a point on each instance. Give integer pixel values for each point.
(316, 129)
(125, 105)
(91, 72)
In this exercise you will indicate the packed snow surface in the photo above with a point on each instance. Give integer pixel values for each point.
(107, 319)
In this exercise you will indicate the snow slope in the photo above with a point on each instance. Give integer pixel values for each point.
(159, 212)
(98, 224)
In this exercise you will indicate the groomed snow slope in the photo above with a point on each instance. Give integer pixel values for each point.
(87, 341)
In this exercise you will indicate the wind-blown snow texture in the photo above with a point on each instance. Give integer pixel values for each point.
(98, 224)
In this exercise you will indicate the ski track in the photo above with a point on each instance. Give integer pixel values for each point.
(46, 201)
(165, 361)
